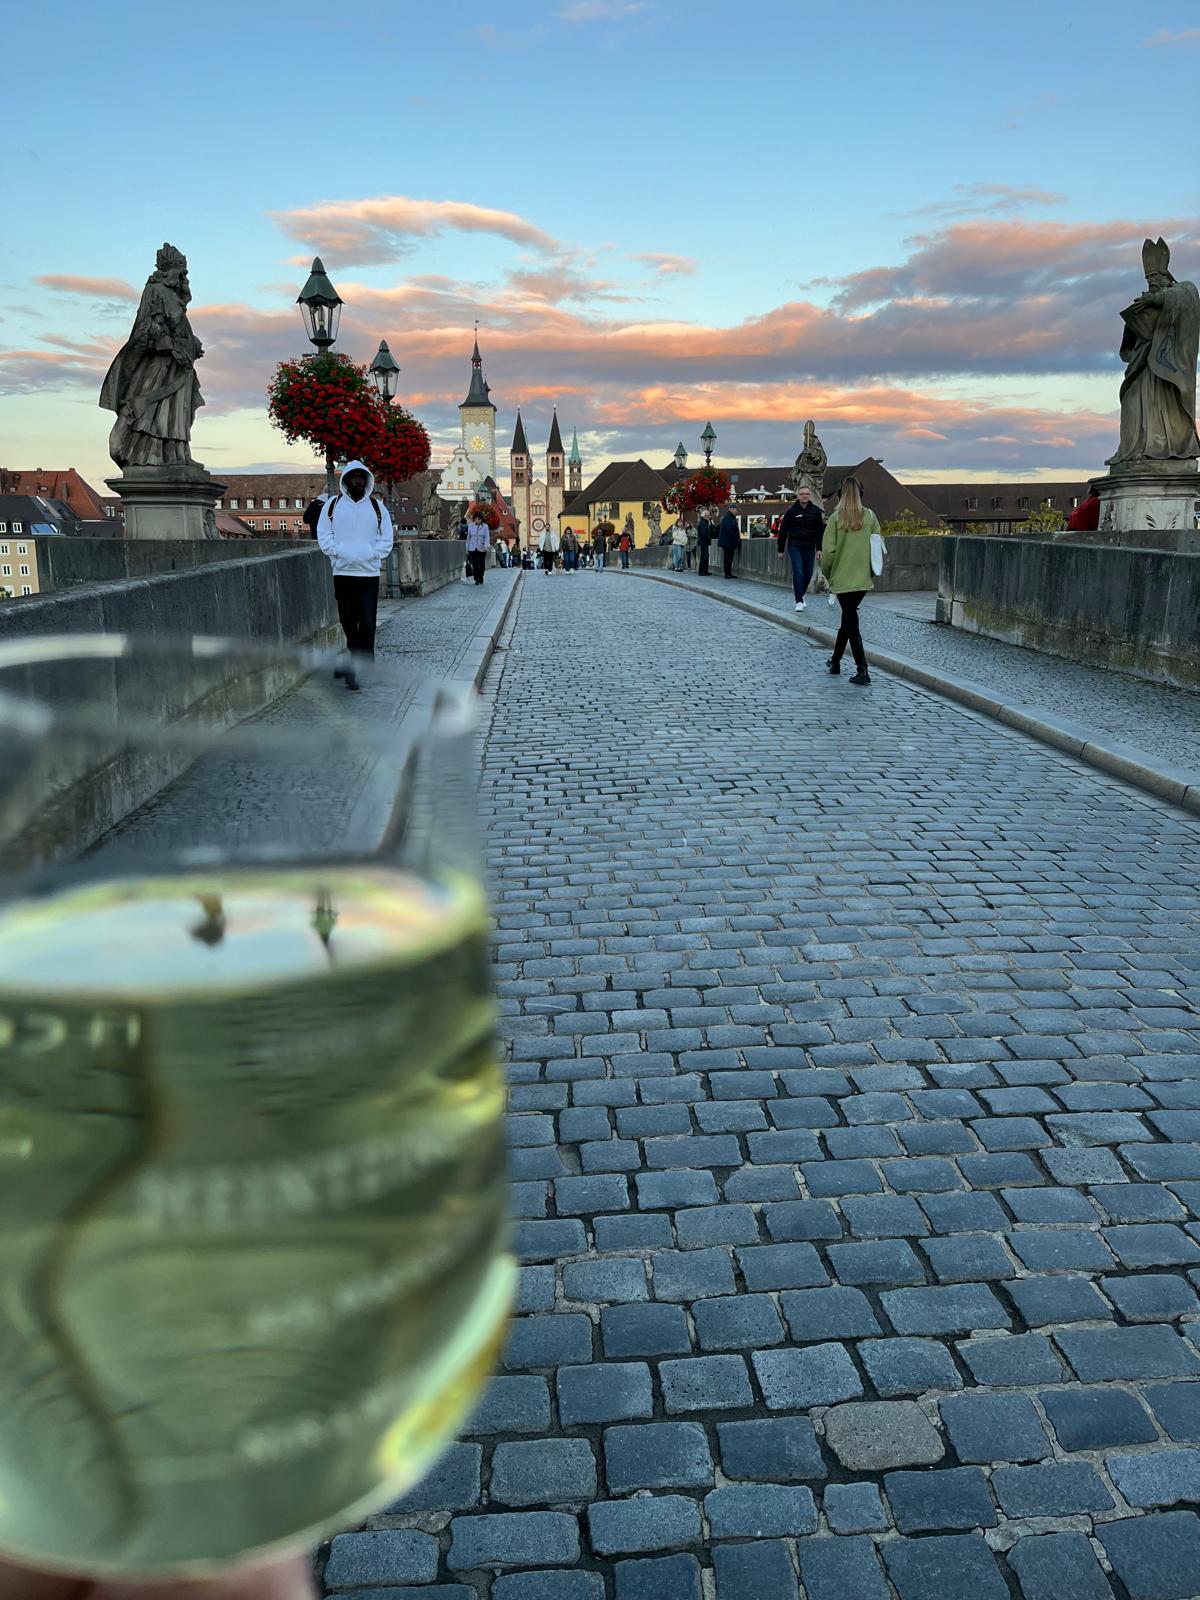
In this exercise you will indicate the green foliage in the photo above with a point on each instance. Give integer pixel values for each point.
(975, 527)
(907, 522)
(1046, 519)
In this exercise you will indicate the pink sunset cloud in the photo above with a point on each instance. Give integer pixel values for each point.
(345, 232)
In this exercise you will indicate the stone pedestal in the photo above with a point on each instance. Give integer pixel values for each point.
(168, 502)
(1147, 497)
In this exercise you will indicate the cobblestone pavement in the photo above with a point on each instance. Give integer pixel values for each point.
(1162, 721)
(427, 636)
(855, 1095)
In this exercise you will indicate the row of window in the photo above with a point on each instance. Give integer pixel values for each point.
(6, 570)
(22, 550)
(280, 504)
(25, 589)
(999, 502)
(17, 527)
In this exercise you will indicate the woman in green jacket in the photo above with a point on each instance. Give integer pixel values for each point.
(846, 562)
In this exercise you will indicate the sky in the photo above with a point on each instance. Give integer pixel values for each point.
(915, 224)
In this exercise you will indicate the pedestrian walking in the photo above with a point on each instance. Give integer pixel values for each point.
(679, 544)
(801, 529)
(691, 545)
(355, 534)
(570, 550)
(846, 564)
(625, 545)
(599, 549)
(704, 537)
(548, 546)
(478, 540)
(729, 539)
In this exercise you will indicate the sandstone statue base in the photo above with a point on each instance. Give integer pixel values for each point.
(168, 502)
(1149, 497)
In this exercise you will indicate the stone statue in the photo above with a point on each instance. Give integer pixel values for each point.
(152, 384)
(654, 521)
(431, 507)
(809, 471)
(1158, 395)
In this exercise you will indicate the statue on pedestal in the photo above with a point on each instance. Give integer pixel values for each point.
(152, 384)
(809, 470)
(654, 522)
(1158, 395)
(431, 508)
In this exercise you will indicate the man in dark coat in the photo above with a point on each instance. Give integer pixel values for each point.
(704, 534)
(800, 532)
(729, 538)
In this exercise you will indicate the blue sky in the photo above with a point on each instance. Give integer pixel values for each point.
(916, 224)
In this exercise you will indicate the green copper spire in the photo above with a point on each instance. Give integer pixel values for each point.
(575, 458)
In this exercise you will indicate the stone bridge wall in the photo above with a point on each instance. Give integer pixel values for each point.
(912, 562)
(1110, 606)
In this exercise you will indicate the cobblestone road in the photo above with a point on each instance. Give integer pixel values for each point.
(1162, 721)
(855, 1092)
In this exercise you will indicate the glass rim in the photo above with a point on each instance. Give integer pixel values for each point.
(451, 704)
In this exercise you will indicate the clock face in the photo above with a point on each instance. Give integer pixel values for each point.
(476, 442)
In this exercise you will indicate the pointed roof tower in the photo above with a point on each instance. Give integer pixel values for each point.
(575, 459)
(478, 394)
(518, 443)
(555, 447)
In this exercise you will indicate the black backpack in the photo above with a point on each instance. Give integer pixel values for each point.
(374, 502)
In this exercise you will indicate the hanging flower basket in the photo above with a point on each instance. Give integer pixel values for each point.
(401, 449)
(708, 487)
(486, 510)
(327, 402)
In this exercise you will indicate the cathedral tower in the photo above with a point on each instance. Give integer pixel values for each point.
(478, 417)
(554, 474)
(519, 472)
(575, 465)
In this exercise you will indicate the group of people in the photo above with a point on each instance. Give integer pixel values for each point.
(578, 550)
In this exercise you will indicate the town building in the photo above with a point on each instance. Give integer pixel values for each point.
(623, 489)
(473, 460)
(92, 514)
(997, 508)
(537, 502)
(271, 504)
(22, 519)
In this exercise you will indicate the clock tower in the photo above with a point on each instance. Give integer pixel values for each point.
(477, 415)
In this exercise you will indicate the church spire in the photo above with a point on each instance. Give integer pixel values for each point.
(478, 394)
(518, 443)
(575, 459)
(555, 448)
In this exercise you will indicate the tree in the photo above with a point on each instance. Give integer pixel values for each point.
(1045, 519)
(908, 522)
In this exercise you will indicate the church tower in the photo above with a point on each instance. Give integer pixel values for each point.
(478, 417)
(575, 466)
(519, 471)
(555, 456)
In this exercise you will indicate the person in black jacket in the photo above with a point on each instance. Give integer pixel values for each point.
(704, 534)
(729, 537)
(800, 532)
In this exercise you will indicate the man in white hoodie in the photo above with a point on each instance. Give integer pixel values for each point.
(355, 532)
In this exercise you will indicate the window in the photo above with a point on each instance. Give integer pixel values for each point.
(997, 502)
(233, 505)
(250, 503)
(971, 503)
(298, 504)
(3, 527)
(6, 571)
(22, 549)
(24, 569)
(18, 527)
(1023, 502)
(25, 589)
(1074, 501)
(110, 510)
(3, 549)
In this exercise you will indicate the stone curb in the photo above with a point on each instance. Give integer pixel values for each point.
(1178, 785)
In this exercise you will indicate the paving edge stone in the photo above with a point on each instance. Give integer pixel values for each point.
(1179, 786)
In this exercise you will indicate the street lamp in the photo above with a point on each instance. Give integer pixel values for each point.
(708, 438)
(385, 374)
(321, 308)
(681, 457)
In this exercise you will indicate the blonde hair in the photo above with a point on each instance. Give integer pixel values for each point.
(850, 506)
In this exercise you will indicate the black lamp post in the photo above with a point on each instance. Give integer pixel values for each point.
(681, 457)
(321, 308)
(708, 438)
(385, 374)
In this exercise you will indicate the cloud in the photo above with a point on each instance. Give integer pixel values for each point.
(93, 288)
(1168, 36)
(665, 264)
(349, 232)
(583, 11)
(969, 199)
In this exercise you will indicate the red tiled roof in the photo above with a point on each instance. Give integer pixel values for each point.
(55, 483)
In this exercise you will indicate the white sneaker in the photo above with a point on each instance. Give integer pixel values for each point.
(799, 605)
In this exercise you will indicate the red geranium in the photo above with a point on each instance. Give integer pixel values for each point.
(708, 487)
(327, 401)
(486, 510)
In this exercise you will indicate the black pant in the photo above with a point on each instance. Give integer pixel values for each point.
(357, 603)
(848, 633)
(702, 569)
(476, 560)
(727, 554)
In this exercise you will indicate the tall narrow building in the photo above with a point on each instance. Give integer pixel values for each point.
(575, 465)
(555, 481)
(478, 417)
(519, 498)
